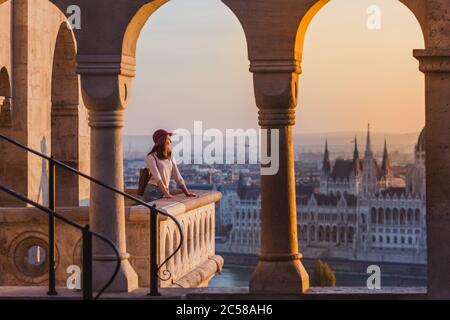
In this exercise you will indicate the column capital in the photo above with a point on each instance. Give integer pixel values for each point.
(275, 66)
(433, 60)
(106, 118)
(106, 80)
(276, 89)
(106, 65)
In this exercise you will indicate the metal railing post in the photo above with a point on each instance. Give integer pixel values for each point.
(51, 229)
(154, 252)
(87, 264)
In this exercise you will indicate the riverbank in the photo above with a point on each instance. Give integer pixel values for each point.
(239, 267)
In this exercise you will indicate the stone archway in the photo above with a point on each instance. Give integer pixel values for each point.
(69, 128)
(274, 43)
(7, 154)
(5, 98)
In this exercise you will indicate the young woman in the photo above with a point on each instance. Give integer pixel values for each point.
(162, 167)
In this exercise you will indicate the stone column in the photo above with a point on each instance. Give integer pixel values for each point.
(279, 269)
(435, 63)
(105, 91)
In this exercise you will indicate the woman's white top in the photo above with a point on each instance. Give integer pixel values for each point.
(163, 170)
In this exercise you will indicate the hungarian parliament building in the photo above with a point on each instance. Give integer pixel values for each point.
(356, 212)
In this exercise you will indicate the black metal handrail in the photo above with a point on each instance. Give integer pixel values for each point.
(87, 244)
(154, 211)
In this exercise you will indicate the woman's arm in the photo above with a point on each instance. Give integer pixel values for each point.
(179, 179)
(153, 167)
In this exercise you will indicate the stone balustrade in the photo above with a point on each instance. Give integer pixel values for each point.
(24, 243)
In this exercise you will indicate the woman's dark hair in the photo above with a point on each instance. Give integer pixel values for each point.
(160, 152)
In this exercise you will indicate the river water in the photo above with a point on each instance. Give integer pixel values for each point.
(239, 277)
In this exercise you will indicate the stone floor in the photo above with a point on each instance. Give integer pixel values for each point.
(39, 293)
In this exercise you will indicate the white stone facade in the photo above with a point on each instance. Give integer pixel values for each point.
(361, 216)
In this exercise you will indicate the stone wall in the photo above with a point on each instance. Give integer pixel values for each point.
(36, 25)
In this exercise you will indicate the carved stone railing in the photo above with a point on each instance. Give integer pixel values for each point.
(24, 243)
(196, 263)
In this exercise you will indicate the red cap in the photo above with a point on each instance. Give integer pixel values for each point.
(159, 137)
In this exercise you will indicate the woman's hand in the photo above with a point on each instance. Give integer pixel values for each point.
(168, 196)
(190, 195)
(187, 192)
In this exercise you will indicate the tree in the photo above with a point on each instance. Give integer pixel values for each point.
(323, 275)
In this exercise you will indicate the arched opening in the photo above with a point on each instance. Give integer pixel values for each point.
(5, 149)
(327, 234)
(69, 126)
(381, 216)
(175, 243)
(334, 235)
(373, 216)
(187, 70)
(321, 234)
(388, 216)
(353, 72)
(191, 65)
(5, 99)
(312, 234)
(167, 251)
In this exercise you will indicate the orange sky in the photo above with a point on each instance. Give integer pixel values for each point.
(193, 65)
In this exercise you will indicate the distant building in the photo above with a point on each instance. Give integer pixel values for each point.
(360, 214)
(356, 212)
(243, 204)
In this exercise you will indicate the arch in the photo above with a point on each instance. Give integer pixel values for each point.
(417, 217)
(194, 237)
(413, 6)
(167, 248)
(351, 234)
(380, 216)
(334, 234)
(327, 234)
(190, 245)
(305, 233)
(395, 216)
(303, 27)
(184, 247)
(211, 228)
(342, 235)
(402, 216)
(136, 24)
(373, 216)
(410, 217)
(321, 234)
(202, 242)
(206, 235)
(312, 234)
(5, 99)
(388, 216)
(69, 126)
(177, 257)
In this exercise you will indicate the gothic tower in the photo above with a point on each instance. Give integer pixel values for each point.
(326, 170)
(370, 169)
(387, 175)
